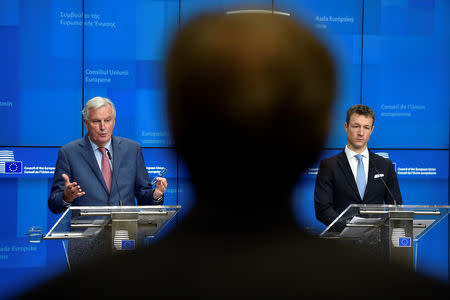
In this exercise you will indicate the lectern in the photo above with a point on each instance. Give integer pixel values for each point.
(393, 231)
(112, 229)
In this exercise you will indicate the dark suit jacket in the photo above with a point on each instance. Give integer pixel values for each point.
(336, 186)
(77, 160)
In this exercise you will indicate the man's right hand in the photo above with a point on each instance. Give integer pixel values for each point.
(72, 190)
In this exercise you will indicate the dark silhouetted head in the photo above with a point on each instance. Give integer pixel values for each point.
(249, 98)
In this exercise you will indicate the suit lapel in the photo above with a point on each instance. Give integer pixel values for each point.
(117, 154)
(372, 172)
(89, 157)
(345, 167)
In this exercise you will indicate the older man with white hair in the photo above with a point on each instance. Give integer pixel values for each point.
(83, 173)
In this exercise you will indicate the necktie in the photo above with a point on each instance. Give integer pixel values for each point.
(106, 168)
(360, 176)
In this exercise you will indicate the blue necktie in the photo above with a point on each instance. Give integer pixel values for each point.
(360, 176)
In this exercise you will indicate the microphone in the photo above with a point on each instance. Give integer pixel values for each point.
(382, 180)
(115, 179)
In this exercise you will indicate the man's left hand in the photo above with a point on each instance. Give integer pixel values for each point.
(160, 187)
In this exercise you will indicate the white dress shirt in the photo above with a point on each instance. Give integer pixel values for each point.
(353, 161)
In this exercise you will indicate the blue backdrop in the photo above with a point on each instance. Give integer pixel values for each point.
(56, 55)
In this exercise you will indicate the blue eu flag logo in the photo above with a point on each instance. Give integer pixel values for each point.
(404, 242)
(127, 244)
(12, 167)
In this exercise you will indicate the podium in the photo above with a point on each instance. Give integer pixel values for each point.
(393, 231)
(96, 230)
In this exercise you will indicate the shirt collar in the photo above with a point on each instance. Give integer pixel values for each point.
(95, 146)
(351, 153)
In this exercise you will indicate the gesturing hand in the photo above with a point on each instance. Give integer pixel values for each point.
(160, 188)
(72, 190)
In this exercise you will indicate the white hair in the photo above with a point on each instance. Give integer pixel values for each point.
(95, 103)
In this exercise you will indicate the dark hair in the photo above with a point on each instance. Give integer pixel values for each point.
(360, 110)
(248, 93)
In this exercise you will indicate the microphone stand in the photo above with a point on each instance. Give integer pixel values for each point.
(115, 179)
